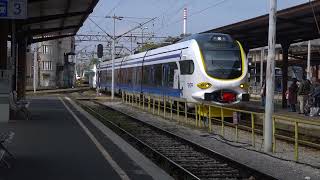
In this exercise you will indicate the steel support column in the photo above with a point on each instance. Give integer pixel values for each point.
(285, 53)
(3, 44)
(309, 73)
(261, 66)
(22, 52)
(317, 72)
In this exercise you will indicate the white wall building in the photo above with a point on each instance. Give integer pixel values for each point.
(54, 61)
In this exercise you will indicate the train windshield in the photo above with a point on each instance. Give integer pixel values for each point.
(221, 54)
(223, 64)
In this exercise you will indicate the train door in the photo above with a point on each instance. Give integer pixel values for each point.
(176, 82)
(186, 78)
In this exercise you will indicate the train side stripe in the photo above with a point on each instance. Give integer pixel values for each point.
(145, 61)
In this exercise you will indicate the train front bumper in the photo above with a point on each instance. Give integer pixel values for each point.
(217, 97)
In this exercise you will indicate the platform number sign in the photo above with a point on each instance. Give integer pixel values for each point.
(3, 8)
(13, 9)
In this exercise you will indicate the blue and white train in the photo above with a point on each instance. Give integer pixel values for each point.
(203, 67)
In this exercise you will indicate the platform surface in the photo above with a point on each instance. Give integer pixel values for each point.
(52, 145)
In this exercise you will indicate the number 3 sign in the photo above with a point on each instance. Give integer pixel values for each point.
(13, 9)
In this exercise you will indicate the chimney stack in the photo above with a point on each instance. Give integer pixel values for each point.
(184, 21)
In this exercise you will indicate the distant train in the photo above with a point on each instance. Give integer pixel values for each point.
(202, 67)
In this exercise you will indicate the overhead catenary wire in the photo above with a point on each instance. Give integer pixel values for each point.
(173, 14)
(114, 8)
(195, 13)
(140, 25)
(209, 7)
(100, 28)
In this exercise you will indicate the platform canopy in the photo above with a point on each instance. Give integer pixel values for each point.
(53, 19)
(294, 24)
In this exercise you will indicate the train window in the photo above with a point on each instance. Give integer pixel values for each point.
(186, 67)
(158, 75)
(152, 74)
(109, 76)
(139, 74)
(129, 76)
(146, 75)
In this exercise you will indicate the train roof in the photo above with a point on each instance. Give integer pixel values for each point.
(209, 36)
(203, 37)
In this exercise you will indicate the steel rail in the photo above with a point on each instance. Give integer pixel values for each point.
(187, 170)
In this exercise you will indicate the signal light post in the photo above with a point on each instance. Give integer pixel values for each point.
(100, 55)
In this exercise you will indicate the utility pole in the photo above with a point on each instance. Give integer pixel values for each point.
(114, 17)
(308, 61)
(270, 73)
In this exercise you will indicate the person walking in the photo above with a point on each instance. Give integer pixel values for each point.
(303, 92)
(292, 95)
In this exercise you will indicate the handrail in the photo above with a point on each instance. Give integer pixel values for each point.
(297, 119)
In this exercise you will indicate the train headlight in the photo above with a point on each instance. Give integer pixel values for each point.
(204, 85)
(244, 86)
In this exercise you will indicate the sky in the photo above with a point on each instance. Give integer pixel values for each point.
(202, 15)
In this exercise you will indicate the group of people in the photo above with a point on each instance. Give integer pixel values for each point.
(306, 92)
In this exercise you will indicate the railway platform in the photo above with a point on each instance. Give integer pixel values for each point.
(62, 142)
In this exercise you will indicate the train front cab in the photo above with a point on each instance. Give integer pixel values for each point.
(226, 97)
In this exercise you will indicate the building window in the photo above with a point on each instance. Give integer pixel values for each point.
(47, 65)
(46, 49)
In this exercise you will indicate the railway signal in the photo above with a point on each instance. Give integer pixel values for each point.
(100, 50)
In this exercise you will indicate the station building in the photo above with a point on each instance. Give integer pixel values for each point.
(297, 64)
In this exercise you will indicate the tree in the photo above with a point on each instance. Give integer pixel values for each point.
(148, 46)
(166, 42)
(94, 61)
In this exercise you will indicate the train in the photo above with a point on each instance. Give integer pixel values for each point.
(207, 67)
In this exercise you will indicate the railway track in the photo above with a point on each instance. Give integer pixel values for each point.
(181, 158)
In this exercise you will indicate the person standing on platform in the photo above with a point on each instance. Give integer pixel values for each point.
(292, 95)
(263, 93)
(314, 85)
(303, 92)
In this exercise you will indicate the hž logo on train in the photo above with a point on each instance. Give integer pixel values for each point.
(190, 85)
